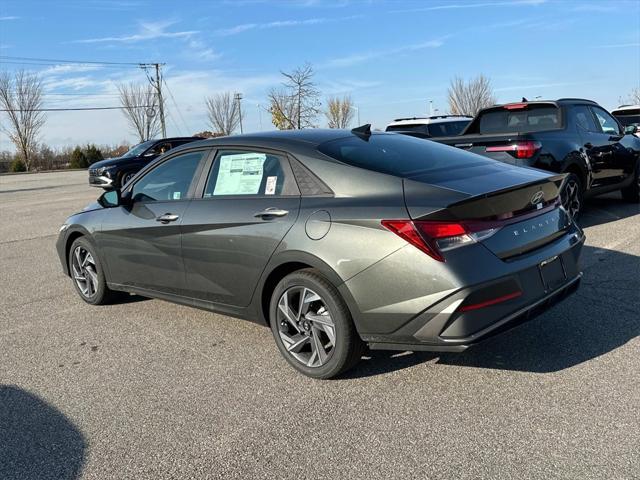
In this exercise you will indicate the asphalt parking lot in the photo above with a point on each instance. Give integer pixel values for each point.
(147, 389)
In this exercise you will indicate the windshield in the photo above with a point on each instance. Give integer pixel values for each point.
(530, 119)
(398, 155)
(139, 149)
(447, 129)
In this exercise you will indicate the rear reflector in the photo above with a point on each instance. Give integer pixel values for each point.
(525, 149)
(488, 303)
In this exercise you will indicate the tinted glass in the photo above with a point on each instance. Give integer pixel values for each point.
(585, 119)
(159, 149)
(530, 119)
(138, 149)
(447, 129)
(410, 127)
(245, 173)
(627, 120)
(607, 123)
(168, 181)
(399, 155)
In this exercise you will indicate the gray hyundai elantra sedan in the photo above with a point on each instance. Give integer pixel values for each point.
(338, 240)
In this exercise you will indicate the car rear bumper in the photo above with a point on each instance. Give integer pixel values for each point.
(449, 306)
(100, 181)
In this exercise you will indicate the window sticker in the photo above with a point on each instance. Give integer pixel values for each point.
(176, 195)
(270, 188)
(240, 174)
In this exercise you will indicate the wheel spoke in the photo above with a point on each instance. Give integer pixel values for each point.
(317, 346)
(290, 316)
(93, 278)
(294, 344)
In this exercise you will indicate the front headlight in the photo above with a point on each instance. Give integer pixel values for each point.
(101, 171)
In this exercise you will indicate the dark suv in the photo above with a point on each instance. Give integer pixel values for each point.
(115, 172)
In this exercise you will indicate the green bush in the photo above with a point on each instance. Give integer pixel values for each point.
(17, 166)
(78, 159)
(93, 154)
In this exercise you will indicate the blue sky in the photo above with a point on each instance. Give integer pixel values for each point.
(392, 57)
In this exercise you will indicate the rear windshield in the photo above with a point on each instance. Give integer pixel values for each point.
(447, 129)
(531, 119)
(444, 129)
(626, 119)
(408, 127)
(398, 155)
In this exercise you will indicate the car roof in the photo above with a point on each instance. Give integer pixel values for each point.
(170, 139)
(311, 137)
(625, 108)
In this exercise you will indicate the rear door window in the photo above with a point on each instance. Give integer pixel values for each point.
(237, 172)
(529, 119)
(584, 118)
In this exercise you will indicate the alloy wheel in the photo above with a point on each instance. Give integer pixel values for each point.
(305, 326)
(571, 198)
(85, 272)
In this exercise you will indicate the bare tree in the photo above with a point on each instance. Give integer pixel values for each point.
(633, 98)
(297, 105)
(224, 113)
(339, 112)
(140, 106)
(467, 98)
(21, 98)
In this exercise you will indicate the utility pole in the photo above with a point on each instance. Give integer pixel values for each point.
(237, 97)
(156, 83)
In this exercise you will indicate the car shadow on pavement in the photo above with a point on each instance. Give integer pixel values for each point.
(600, 317)
(37, 441)
(605, 209)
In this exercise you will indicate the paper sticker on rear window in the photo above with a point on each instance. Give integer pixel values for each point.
(270, 188)
(240, 174)
(176, 195)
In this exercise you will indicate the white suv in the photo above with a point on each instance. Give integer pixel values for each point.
(435, 126)
(628, 115)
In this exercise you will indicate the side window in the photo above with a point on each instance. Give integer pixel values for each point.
(168, 181)
(585, 119)
(607, 122)
(159, 149)
(248, 173)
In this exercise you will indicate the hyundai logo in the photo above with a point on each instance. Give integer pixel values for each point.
(537, 197)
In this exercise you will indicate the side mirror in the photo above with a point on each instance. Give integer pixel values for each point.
(110, 199)
(630, 129)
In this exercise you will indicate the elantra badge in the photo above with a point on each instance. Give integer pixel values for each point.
(537, 197)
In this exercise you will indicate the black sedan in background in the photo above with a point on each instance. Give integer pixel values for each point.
(336, 239)
(115, 172)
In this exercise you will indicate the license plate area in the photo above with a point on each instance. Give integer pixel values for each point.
(552, 273)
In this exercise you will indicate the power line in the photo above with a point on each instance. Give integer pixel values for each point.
(71, 109)
(176, 105)
(78, 62)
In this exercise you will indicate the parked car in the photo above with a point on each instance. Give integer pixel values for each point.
(427, 127)
(337, 239)
(571, 135)
(115, 172)
(628, 116)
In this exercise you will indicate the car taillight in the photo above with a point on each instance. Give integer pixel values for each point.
(525, 149)
(433, 238)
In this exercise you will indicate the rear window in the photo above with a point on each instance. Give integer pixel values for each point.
(408, 127)
(628, 118)
(447, 129)
(530, 119)
(399, 155)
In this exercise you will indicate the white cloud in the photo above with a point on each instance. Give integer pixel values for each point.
(147, 31)
(9, 17)
(357, 58)
(456, 6)
(280, 24)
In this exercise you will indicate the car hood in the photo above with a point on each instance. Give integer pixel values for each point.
(109, 162)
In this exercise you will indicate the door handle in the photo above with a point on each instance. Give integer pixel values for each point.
(167, 217)
(271, 212)
(588, 145)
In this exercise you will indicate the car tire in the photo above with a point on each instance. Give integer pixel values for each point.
(318, 314)
(572, 195)
(124, 178)
(632, 192)
(87, 274)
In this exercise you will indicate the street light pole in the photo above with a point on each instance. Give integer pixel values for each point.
(237, 97)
